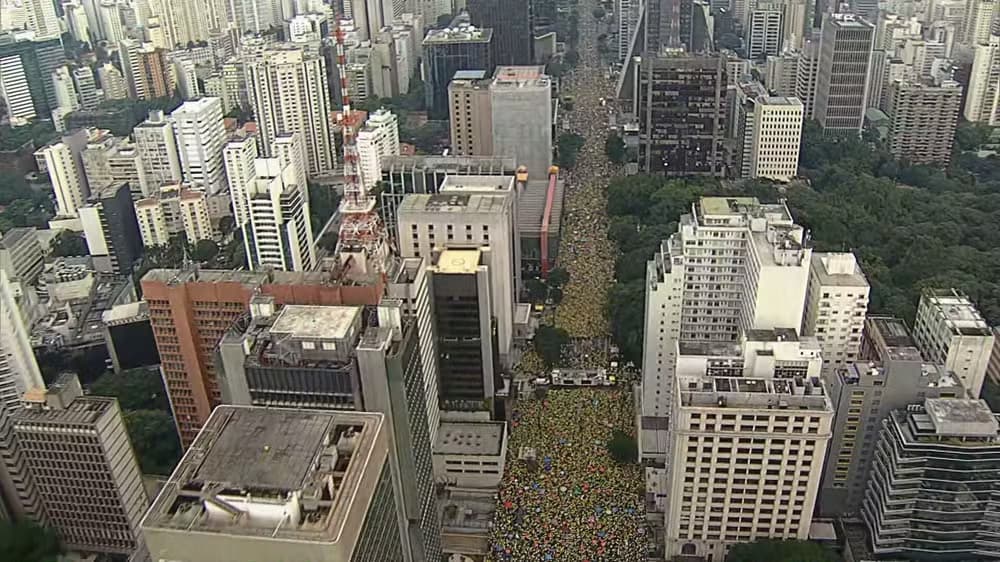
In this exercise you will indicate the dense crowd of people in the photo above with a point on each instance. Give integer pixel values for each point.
(568, 500)
(563, 498)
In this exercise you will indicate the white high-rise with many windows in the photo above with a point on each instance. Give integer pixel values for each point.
(982, 102)
(376, 140)
(63, 161)
(777, 134)
(836, 303)
(14, 90)
(200, 136)
(239, 155)
(42, 19)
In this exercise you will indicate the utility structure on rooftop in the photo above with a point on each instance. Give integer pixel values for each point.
(361, 244)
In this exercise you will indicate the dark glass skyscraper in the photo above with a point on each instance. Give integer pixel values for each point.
(511, 21)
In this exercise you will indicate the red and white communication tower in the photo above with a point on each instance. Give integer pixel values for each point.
(362, 237)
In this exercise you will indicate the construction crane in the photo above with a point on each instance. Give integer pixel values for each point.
(362, 240)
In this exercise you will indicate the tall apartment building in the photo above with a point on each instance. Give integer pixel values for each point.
(470, 114)
(40, 17)
(781, 73)
(18, 373)
(38, 60)
(864, 393)
(842, 79)
(109, 160)
(627, 17)
(239, 155)
(836, 303)
(172, 210)
(191, 310)
(950, 330)
(749, 428)
(511, 22)
(979, 17)
(447, 51)
(681, 104)
(111, 229)
(734, 265)
(146, 70)
(15, 90)
(521, 121)
(378, 139)
(112, 82)
(157, 145)
(86, 87)
(287, 89)
(777, 135)
(200, 136)
(923, 118)
(982, 102)
(932, 482)
(332, 470)
(78, 452)
(765, 34)
(807, 72)
(62, 82)
(21, 255)
(63, 161)
(470, 212)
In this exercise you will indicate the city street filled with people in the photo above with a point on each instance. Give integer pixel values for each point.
(563, 497)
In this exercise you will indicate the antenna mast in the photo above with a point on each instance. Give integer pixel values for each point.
(362, 237)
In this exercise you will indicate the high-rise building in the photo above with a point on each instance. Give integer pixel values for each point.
(930, 486)
(86, 87)
(111, 229)
(979, 16)
(447, 51)
(66, 97)
(923, 118)
(470, 212)
(842, 79)
(200, 135)
(681, 104)
(864, 393)
(765, 34)
(627, 14)
(157, 146)
(836, 303)
(21, 255)
(39, 58)
(681, 24)
(146, 70)
(278, 206)
(76, 21)
(288, 93)
(950, 330)
(324, 357)
(18, 373)
(42, 19)
(806, 74)
(982, 102)
(511, 22)
(171, 210)
(63, 161)
(521, 107)
(187, 341)
(112, 82)
(758, 282)
(239, 156)
(79, 455)
(774, 138)
(378, 139)
(332, 470)
(470, 114)
(770, 422)
(781, 74)
(110, 17)
(16, 90)
(108, 160)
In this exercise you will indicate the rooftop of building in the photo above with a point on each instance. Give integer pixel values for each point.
(458, 262)
(922, 375)
(773, 335)
(251, 278)
(82, 410)
(531, 206)
(519, 76)
(894, 333)
(741, 206)
(781, 100)
(481, 203)
(958, 311)
(248, 462)
(951, 421)
(469, 75)
(82, 324)
(477, 184)
(750, 392)
(15, 235)
(125, 313)
(470, 438)
(316, 322)
(463, 33)
(444, 164)
(838, 269)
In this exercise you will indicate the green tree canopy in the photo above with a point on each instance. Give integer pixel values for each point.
(622, 447)
(135, 389)
(614, 147)
(568, 148)
(69, 243)
(205, 250)
(27, 542)
(549, 342)
(769, 550)
(154, 438)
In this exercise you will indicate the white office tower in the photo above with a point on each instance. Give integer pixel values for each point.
(18, 373)
(14, 90)
(172, 210)
(979, 16)
(982, 101)
(836, 303)
(469, 212)
(187, 78)
(62, 160)
(200, 136)
(62, 83)
(949, 330)
(239, 155)
(627, 14)
(111, 21)
(76, 21)
(749, 428)
(253, 16)
(734, 265)
(86, 87)
(766, 29)
(376, 140)
(279, 215)
(287, 89)
(157, 146)
(112, 82)
(41, 18)
(777, 134)
(780, 73)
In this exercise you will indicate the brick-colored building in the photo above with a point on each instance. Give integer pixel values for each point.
(191, 310)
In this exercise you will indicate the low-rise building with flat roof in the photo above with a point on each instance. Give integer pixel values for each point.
(470, 454)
